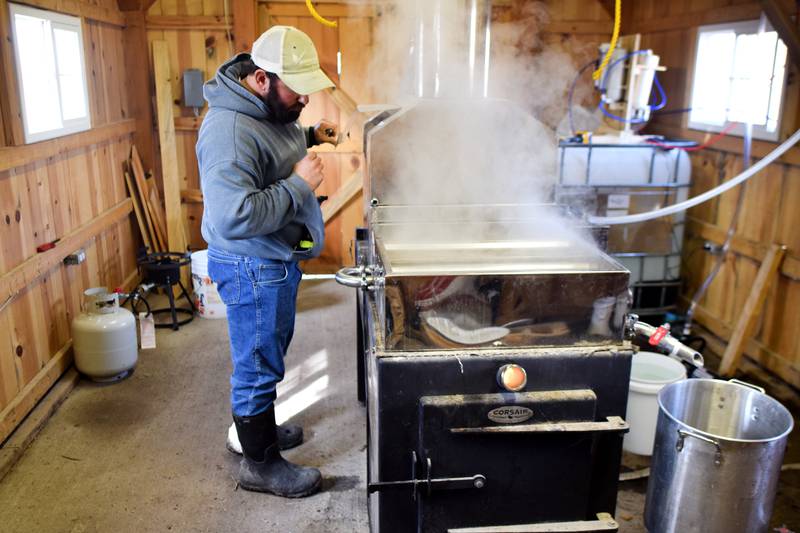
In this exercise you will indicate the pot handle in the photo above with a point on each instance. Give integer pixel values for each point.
(682, 434)
(749, 385)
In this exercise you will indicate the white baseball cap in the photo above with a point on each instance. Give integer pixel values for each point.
(290, 53)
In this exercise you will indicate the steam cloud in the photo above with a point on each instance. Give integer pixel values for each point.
(454, 147)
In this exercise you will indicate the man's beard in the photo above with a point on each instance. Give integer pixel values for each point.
(280, 112)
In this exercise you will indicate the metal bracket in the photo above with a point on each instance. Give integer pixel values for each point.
(359, 277)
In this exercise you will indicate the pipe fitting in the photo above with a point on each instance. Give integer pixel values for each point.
(664, 342)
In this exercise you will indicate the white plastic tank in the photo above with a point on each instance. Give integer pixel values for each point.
(104, 337)
(650, 372)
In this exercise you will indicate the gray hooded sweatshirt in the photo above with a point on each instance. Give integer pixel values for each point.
(254, 204)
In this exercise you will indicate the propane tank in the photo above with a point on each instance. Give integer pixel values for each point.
(104, 337)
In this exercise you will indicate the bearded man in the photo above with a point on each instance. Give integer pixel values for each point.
(260, 218)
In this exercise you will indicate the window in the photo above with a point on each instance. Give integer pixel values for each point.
(739, 76)
(51, 73)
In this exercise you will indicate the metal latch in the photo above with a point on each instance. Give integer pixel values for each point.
(429, 484)
(359, 277)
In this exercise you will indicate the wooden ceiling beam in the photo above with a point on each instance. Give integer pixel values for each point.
(135, 5)
(786, 29)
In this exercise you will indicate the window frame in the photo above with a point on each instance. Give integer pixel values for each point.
(758, 132)
(57, 21)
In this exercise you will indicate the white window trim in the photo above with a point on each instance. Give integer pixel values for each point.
(759, 132)
(61, 21)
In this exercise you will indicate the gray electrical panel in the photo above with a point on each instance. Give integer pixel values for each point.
(193, 88)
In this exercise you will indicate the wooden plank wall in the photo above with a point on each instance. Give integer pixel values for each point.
(197, 35)
(353, 39)
(189, 27)
(47, 190)
(575, 27)
(769, 213)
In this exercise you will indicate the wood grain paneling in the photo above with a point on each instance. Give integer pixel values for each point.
(769, 214)
(576, 27)
(196, 45)
(58, 189)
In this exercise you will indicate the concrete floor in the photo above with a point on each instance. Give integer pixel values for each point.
(147, 454)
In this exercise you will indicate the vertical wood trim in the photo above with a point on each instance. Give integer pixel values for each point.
(176, 235)
(244, 25)
(10, 104)
(139, 81)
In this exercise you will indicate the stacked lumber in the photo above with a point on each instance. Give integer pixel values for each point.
(146, 204)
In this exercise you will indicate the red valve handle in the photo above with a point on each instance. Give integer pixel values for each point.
(658, 336)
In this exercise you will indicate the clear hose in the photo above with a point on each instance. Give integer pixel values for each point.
(699, 199)
(722, 254)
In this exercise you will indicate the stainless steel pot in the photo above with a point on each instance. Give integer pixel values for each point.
(717, 457)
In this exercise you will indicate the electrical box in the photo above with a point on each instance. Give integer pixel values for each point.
(193, 88)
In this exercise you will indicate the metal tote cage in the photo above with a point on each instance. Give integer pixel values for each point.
(608, 179)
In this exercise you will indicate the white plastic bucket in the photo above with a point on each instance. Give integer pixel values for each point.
(650, 372)
(206, 297)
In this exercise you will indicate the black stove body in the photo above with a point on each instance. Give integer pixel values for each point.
(491, 350)
(430, 430)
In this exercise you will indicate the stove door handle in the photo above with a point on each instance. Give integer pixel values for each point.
(356, 277)
(613, 424)
(478, 481)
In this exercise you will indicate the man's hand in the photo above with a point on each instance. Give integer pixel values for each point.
(310, 169)
(326, 132)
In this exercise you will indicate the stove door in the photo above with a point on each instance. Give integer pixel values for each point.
(534, 449)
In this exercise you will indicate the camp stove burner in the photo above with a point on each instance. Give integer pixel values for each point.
(163, 269)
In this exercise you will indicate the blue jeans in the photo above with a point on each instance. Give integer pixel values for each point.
(260, 295)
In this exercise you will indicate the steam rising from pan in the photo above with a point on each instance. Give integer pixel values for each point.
(451, 145)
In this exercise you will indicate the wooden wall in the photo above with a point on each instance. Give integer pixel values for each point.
(70, 188)
(769, 214)
(575, 27)
(197, 35)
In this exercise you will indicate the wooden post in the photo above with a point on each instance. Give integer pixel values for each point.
(176, 235)
(748, 319)
(139, 80)
(785, 28)
(244, 25)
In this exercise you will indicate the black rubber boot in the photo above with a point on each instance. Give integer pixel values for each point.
(262, 468)
(289, 436)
